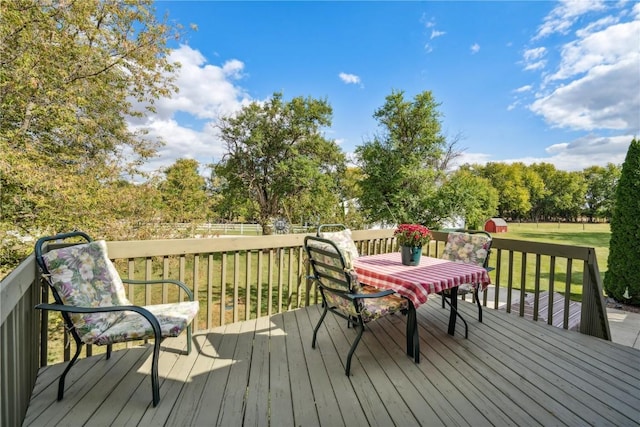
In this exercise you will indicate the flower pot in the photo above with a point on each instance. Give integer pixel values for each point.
(410, 254)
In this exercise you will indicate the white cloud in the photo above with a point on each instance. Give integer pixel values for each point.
(349, 78)
(561, 18)
(475, 48)
(533, 58)
(614, 44)
(576, 155)
(608, 97)
(525, 88)
(595, 85)
(436, 33)
(588, 151)
(428, 48)
(206, 92)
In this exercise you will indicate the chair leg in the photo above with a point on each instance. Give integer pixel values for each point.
(315, 330)
(189, 339)
(155, 384)
(109, 348)
(443, 298)
(477, 297)
(354, 345)
(67, 369)
(457, 313)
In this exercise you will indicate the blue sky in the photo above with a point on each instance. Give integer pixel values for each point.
(536, 81)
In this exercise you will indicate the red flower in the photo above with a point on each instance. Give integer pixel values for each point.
(412, 235)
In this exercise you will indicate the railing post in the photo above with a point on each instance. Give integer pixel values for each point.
(593, 317)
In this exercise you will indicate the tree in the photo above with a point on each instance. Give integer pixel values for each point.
(622, 279)
(508, 179)
(71, 74)
(183, 192)
(600, 194)
(466, 195)
(277, 159)
(400, 165)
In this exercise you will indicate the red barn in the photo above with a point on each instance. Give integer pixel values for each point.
(495, 225)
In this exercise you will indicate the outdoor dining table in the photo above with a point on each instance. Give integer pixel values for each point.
(430, 276)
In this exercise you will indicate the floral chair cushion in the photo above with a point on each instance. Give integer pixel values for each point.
(84, 276)
(467, 248)
(344, 242)
(173, 319)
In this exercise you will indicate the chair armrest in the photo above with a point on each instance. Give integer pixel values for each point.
(157, 332)
(489, 269)
(161, 281)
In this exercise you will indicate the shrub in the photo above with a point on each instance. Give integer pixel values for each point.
(622, 280)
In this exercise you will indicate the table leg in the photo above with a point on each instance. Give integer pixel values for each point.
(453, 311)
(413, 340)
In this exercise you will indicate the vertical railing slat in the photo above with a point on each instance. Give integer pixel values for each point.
(223, 289)
(247, 303)
(209, 305)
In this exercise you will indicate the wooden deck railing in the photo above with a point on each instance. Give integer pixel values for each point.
(238, 278)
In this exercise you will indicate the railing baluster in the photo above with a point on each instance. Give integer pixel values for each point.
(209, 306)
(270, 284)
(567, 292)
(165, 276)
(552, 276)
(247, 300)
(536, 287)
(236, 280)
(223, 289)
(259, 289)
(281, 253)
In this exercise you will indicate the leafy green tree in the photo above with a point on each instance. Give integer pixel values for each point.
(71, 74)
(601, 186)
(508, 180)
(466, 195)
(564, 194)
(535, 186)
(278, 161)
(400, 165)
(622, 279)
(183, 192)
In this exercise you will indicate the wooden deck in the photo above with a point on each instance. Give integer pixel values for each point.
(557, 312)
(511, 371)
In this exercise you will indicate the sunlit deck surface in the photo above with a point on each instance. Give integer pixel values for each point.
(511, 371)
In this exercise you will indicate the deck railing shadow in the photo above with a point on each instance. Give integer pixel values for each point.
(238, 278)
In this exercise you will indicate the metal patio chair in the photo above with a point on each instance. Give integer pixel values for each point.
(469, 247)
(345, 297)
(90, 296)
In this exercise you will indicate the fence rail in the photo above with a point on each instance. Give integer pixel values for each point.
(242, 277)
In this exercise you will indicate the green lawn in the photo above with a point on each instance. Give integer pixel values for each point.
(590, 235)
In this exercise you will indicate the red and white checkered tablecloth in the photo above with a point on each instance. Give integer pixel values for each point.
(432, 275)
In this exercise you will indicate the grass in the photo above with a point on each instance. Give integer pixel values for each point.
(575, 234)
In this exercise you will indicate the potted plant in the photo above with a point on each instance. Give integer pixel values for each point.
(411, 238)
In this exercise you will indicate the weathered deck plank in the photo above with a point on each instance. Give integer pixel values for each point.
(511, 371)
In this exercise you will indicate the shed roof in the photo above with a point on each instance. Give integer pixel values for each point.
(498, 221)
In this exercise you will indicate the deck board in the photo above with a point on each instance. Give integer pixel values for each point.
(511, 371)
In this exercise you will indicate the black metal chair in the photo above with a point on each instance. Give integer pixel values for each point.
(345, 297)
(469, 247)
(90, 296)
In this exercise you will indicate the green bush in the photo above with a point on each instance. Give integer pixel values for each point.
(622, 280)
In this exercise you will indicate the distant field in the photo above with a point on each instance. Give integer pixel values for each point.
(591, 235)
